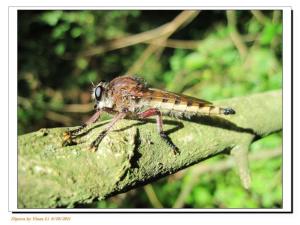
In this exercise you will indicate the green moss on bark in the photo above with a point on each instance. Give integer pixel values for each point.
(50, 175)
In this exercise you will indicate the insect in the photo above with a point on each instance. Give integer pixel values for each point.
(130, 97)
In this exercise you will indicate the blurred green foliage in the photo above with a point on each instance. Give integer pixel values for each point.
(233, 54)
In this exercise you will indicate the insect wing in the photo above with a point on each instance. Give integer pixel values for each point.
(165, 96)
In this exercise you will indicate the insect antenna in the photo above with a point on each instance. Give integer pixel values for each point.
(92, 82)
(93, 89)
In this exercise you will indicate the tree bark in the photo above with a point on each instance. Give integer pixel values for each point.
(133, 154)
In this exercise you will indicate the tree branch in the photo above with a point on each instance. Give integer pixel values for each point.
(164, 30)
(50, 175)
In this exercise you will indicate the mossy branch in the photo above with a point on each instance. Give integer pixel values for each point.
(50, 175)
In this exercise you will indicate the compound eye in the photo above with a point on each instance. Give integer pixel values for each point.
(98, 92)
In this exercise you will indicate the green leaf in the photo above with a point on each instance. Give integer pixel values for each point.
(51, 17)
(60, 49)
(60, 30)
(269, 32)
(82, 63)
(254, 26)
(176, 61)
(202, 197)
(271, 141)
(194, 61)
(76, 32)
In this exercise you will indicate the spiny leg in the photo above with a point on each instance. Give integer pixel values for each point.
(159, 122)
(100, 137)
(69, 135)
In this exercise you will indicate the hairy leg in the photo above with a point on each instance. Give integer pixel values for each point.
(159, 122)
(68, 135)
(100, 137)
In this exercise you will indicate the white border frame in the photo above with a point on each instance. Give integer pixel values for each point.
(286, 112)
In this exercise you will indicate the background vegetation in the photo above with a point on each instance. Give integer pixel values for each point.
(209, 54)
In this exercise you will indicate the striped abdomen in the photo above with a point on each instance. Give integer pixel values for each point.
(182, 106)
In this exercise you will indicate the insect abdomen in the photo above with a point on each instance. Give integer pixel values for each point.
(182, 106)
(187, 109)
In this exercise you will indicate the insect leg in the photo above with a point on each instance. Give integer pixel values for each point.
(97, 141)
(68, 135)
(159, 122)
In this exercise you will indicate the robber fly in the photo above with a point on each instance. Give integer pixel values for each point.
(130, 97)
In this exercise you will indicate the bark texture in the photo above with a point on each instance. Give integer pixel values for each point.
(133, 154)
